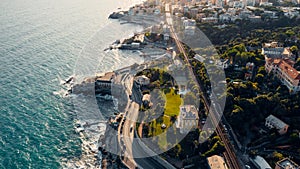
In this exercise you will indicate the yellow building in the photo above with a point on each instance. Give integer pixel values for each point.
(216, 162)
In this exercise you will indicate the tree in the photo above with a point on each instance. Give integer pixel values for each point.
(259, 78)
(294, 138)
(277, 156)
(294, 49)
(290, 33)
(297, 64)
(177, 150)
(262, 70)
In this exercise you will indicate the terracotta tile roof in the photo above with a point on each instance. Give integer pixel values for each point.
(289, 70)
(286, 65)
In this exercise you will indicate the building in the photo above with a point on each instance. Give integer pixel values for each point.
(105, 80)
(254, 19)
(194, 12)
(245, 14)
(175, 9)
(291, 14)
(224, 64)
(260, 162)
(157, 11)
(272, 50)
(187, 119)
(157, 2)
(265, 4)
(142, 80)
(199, 58)
(189, 26)
(225, 17)
(271, 45)
(209, 20)
(270, 14)
(249, 70)
(147, 100)
(216, 162)
(283, 69)
(189, 22)
(250, 2)
(287, 53)
(274, 122)
(238, 4)
(103, 83)
(286, 163)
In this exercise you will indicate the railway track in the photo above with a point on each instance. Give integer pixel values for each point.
(229, 154)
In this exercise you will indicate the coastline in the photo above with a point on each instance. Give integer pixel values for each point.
(93, 135)
(97, 135)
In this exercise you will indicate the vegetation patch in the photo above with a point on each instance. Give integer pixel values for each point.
(173, 102)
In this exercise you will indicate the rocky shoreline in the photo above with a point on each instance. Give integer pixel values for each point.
(99, 138)
(96, 136)
(117, 15)
(94, 145)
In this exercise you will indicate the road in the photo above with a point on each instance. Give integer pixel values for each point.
(131, 148)
(148, 162)
(229, 154)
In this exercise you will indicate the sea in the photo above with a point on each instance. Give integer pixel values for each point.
(43, 42)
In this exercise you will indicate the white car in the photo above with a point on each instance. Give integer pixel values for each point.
(247, 167)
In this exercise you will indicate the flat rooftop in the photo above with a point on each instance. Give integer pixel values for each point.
(286, 163)
(106, 77)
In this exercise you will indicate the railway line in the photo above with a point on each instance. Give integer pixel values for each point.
(229, 154)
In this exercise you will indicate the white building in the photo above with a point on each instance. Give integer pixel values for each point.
(199, 58)
(210, 20)
(224, 64)
(265, 4)
(189, 26)
(189, 22)
(187, 119)
(261, 163)
(274, 122)
(254, 19)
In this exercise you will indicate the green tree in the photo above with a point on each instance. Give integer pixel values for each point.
(297, 64)
(277, 156)
(294, 138)
(290, 33)
(262, 70)
(259, 78)
(294, 49)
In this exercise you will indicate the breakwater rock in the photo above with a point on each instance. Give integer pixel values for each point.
(117, 15)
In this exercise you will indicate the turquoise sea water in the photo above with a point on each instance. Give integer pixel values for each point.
(40, 41)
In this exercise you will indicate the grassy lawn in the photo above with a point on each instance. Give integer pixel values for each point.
(173, 103)
(160, 133)
(157, 126)
(172, 108)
